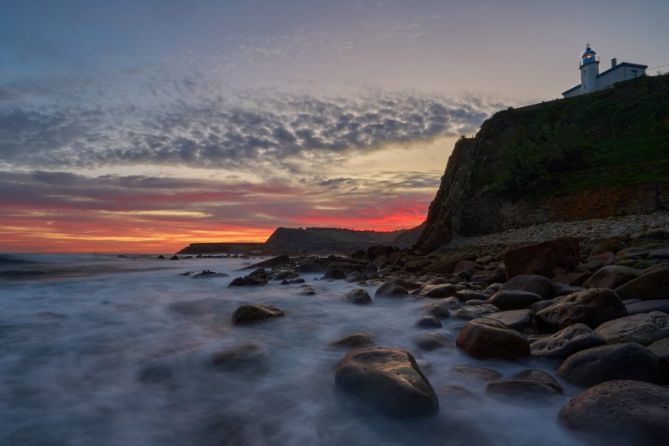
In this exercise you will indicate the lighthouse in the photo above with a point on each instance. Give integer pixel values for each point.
(592, 80)
(589, 70)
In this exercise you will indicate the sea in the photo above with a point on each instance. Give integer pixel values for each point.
(102, 350)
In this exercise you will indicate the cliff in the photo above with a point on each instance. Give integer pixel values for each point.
(329, 239)
(593, 156)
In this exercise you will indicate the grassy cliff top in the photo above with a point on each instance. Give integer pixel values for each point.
(615, 137)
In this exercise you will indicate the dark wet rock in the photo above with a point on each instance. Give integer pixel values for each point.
(358, 296)
(545, 258)
(258, 277)
(389, 380)
(271, 263)
(539, 376)
(635, 306)
(513, 299)
(428, 321)
(609, 362)
(475, 311)
(651, 285)
(247, 314)
(562, 289)
(306, 290)
(489, 339)
(469, 295)
(391, 289)
(477, 373)
(437, 291)
(516, 319)
(438, 309)
(431, 341)
(286, 274)
(206, 274)
(174, 257)
(155, 374)
(611, 277)
(524, 389)
(246, 357)
(571, 279)
(660, 349)
(591, 307)
(473, 302)
(531, 283)
(160, 257)
(292, 281)
(356, 277)
(355, 340)
(567, 341)
(644, 328)
(334, 273)
(633, 413)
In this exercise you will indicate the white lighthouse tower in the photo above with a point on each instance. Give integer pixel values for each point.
(589, 70)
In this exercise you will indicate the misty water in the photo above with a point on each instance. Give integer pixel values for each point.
(78, 333)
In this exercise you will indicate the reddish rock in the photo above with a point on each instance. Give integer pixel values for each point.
(546, 259)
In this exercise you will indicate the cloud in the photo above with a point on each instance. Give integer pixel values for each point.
(244, 132)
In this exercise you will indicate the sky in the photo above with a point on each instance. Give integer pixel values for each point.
(145, 125)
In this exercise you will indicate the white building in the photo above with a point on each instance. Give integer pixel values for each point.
(593, 80)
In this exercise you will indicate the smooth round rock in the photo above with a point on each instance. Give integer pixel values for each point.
(565, 342)
(358, 296)
(247, 314)
(389, 380)
(491, 339)
(632, 413)
(514, 299)
(540, 285)
(516, 319)
(644, 328)
(391, 289)
(591, 307)
(610, 362)
(611, 276)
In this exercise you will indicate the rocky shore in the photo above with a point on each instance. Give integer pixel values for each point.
(589, 297)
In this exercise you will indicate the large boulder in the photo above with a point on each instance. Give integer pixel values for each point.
(516, 319)
(358, 296)
(611, 277)
(391, 289)
(546, 258)
(431, 341)
(470, 312)
(531, 283)
(389, 380)
(490, 339)
(591, 307)
(248, 314)
(271, 263)
(514, 299)
(644, 328)
(632, 413)
(608, 362)
(567, 341)
(651, 285)
(661, 349)
(440, 290)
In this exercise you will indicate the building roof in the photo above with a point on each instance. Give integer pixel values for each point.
(622, 64)
(572, 89)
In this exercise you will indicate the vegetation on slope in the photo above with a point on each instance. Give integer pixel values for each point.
(615, 137)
